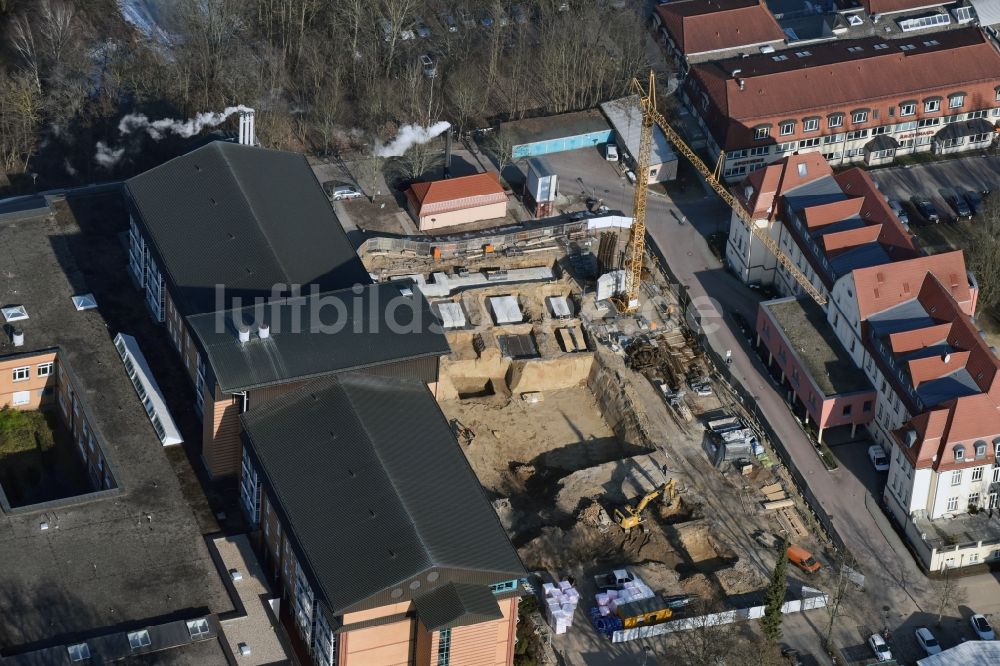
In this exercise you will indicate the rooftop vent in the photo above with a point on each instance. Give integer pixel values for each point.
(235, 575)
(84, 302)
(803, 170)
(17, 337)
(244, 650)
(911, 437)
(243, 333)
(736, 73)
(264, 331)
(13, 313)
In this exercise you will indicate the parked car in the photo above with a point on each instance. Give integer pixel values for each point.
(386, 28)
(341, 192)
(878, 646)
(448, 21)
(900, 212)
(406, 34)
(611, 152)
(982, 627)
(803, 559)
(925, 208)
(974, 200)
(486, 20)
(423, 31)
(877, 456)
(428, 65)
(960, 206)
(927, 641)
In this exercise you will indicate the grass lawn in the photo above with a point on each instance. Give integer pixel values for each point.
(37, 460)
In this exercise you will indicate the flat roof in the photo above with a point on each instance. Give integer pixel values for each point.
(105, 560)
(807, 330)
(451, 314)
(375, 459)
(506, 310)
(969, 653)
(546, 128)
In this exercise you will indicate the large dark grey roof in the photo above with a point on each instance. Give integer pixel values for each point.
(374, 489)
(243, 217)
(318, 334)
(456, 605)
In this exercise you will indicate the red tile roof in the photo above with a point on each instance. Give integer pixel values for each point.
(828, 213)
(833, 79)
(875, 210)
(962, 421)
(456, 193)
(879, 288)
(700, 26)
(890, 6)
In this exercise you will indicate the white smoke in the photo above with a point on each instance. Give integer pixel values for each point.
(70, 169)
(157, 129)
(106, 156)
(409, 136)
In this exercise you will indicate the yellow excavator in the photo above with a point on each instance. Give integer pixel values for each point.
(632, 515)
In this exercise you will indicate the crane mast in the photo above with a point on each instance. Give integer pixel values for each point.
(628, 300)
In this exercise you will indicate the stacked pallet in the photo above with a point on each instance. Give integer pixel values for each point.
(560, 605)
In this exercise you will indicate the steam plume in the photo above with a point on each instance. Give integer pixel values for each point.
(106, 156)
(157, 129)
(409, 136)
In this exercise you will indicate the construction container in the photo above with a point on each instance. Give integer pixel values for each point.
(642, 612)
(542, 183)
(541, 209)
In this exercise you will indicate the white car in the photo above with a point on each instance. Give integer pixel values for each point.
(878, 646)
(982, 627)
(611, 152)
(877, 456)
(337, 192)
(927, 641)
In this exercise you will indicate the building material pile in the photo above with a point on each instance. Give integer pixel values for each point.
(609, 600)
(560, 605)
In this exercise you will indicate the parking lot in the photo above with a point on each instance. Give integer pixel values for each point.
(937, 180)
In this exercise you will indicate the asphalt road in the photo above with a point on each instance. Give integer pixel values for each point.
(893, 579)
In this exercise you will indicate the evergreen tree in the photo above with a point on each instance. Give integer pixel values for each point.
(775, 596)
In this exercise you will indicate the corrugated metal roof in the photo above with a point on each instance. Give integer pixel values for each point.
(626, 118)
(319, 334)
(244, 217)
(457, 605)
(375, 490)
(988, 11)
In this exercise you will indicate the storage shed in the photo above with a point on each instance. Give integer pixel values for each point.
(554, 134)
(626, 118)
(444, 203)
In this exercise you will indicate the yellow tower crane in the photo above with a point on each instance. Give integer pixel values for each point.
(628, 300)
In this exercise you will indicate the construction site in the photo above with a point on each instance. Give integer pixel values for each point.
(604, 440)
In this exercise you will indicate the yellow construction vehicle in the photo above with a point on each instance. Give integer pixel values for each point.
(628, 300)
(632, 515)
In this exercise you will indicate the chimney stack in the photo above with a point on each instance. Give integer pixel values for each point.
(243, 333)
(18, 337)
(247, 137)
(264, 331)
(447, 153)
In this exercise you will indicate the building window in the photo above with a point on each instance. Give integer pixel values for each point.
(952, 504)
(908, 126)
(761, 133)
(922, 22)
(907, 109)
(809, 143)
(928, 122)
(859, 117)
(810, 124)
(833, 138)
(79, 652)
(972, 115)
(506, 586)
(44, 369)
(139, 639)
(836, 120)
(785, 147)
(21, 374)
(444, 647)
(867, 407)
(855, 49)
(959, 453)
(787, 128)
(857, 134)
(760, 150)
(974, 499)
(197, 628)
(976, 138)
(956, 477)
(980, 448)
(956, 101)
(879, 131)
(847, 410)
(977, 473)
(932, 105)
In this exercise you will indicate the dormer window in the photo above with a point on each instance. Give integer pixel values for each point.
(980, 449)
(762, 132)
(959, 453)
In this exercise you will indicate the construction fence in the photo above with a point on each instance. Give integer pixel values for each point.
(747, 400)
(811, 599)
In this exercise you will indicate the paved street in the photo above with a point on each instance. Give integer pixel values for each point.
(893, 577)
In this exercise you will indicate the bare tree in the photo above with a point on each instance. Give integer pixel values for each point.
(419, 160)
(466, 93)
(982, 252)
(20, 114)
(23, 40)
(501, 147)
(948, 593)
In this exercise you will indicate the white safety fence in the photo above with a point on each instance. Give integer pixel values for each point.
(812, 599)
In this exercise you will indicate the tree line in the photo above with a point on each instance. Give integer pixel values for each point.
(325, 76)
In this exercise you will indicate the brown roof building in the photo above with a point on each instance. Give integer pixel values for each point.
(893, 6)
(444, 203)
(865, 99)
(696, 30)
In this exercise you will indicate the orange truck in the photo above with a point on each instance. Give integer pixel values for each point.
(803, 559)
